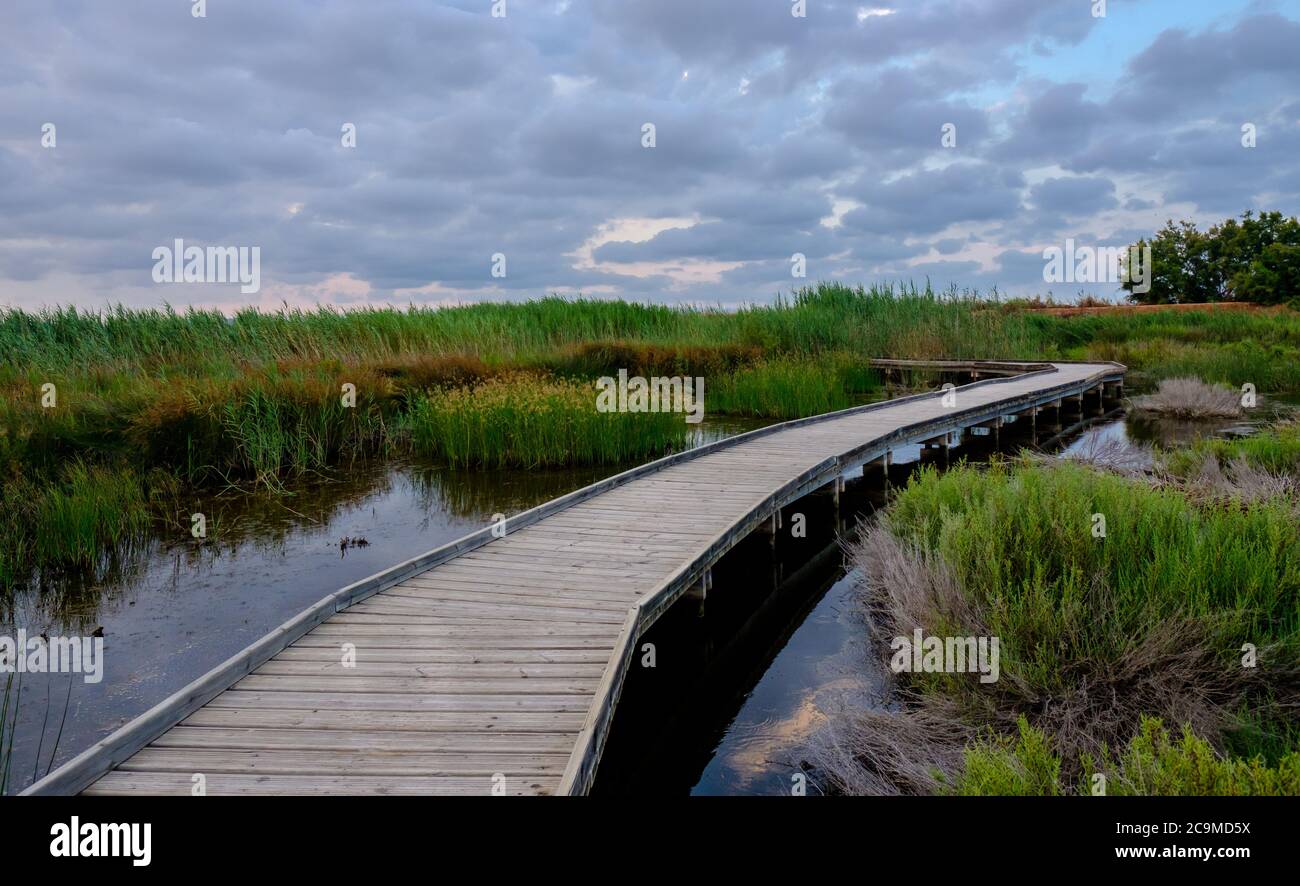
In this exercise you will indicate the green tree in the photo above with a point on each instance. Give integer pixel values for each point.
(1254, 259)
(1182, 269)
(1259, 257)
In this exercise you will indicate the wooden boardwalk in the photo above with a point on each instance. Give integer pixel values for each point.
(494, 664)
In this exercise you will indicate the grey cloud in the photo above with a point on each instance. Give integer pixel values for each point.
(1081, 195)
(523, 135)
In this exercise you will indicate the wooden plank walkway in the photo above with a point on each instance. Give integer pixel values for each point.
(496, 663)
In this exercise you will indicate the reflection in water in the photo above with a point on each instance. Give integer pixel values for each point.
(741, 683)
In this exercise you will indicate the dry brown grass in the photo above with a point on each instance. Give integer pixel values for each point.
(1107, 454)
(1089, 306)
(1191, 398)
(638, 358)
(1239, 481)
(428, 371)
(872, 753)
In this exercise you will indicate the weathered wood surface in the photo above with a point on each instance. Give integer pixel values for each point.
(496, 663)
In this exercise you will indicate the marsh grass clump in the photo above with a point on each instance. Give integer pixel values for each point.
(1276, 450)
(1262, 466)
(424, 371)
(290, 428)
(1003, 766)
(1191, 398)
(535, 421)
(86, 511)
(1095, 632)
(781, 389)
(785, 388)
(264, 426)
(1152, 764)
(598, 358)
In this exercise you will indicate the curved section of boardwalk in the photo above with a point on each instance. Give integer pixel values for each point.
(496, 663)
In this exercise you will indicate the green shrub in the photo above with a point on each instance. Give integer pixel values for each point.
(1152, 765)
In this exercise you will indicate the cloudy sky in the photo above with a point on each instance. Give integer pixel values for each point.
(524, 135)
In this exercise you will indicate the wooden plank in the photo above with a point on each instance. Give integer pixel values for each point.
(584, 550)
(432, 601)
(425, 643)
(460, 670)
(339, 627)
(514, 584)
(673, 527)
(548, 574)
(590, 526)
(388, 721)
(561, 566)
(417, 600)
(505, 620)
(443, 611)
(513, 571)
(234, 739)
(354, 763)
(376, 684)
(495, 702)
(439, 656)
(121, 783)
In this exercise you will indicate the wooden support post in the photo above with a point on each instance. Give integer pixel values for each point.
(700, 590)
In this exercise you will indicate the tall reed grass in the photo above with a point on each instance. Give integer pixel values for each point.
(71, 521)
(8, 728)
(786, 388)
(523, 421)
